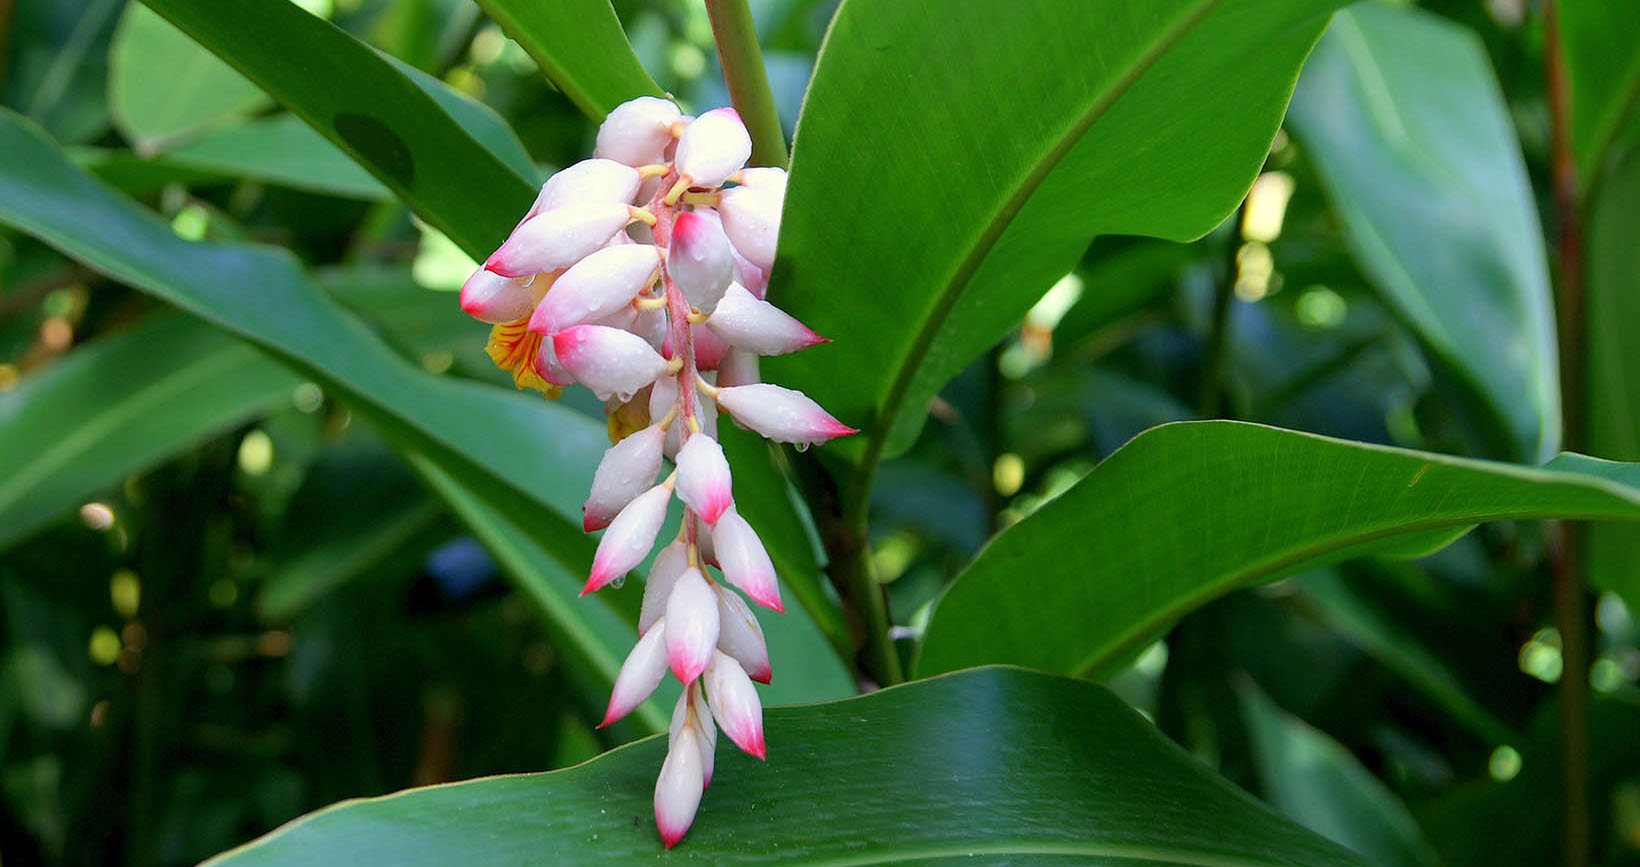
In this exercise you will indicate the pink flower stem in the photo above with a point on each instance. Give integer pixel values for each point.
(683, 343)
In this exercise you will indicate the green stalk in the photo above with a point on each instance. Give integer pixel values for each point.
(748, 81)
(1567, 539)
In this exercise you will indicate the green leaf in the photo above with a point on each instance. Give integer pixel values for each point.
(527, 459)
(371, 109)
(1614, 368)
(1187, 512)
(1411, 137)
(999, 763)
(162, 86)
(279, 150)
(120, 404)
(920, 228)
(1312, 778)
(1601, 42)
(580, 45)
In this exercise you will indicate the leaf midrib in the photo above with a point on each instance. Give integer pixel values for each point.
(952, 286)
(1209, 590)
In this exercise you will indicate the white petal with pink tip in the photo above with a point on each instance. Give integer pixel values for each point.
(751, 219)
(677, 790)
(638, 131)
(735, 704)
(750, 323)
(740, 635)
(744, 562)
(713, 147)
(663, 574)
(603, 283)
(780, 414)
(490, 297)
(640, 674)
(704, 483)
(627, 469)
(610, 361)
(629, 537)
(558, 239)
(700, 260)
(691, 625)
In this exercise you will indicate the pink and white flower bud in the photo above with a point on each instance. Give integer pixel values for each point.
(700, 260)
(691, 711)
(628, 469)
(703, 478)
(740, 635)
(750, 323)
(745, 563)
(607, 360)
(678, 789)
(710, 349)
(490, 297)
(640, 674)
(558, 239)
(767, 178)
(663, 575)
(713, 147)
(755, 279)
(735, 705)
(751, 219)
(600, 285)
(780, 414)
(629, 537)
(739, 367)
(638, 131)
(691, 625)
(586, 182)
(651, 325)
(548, 367)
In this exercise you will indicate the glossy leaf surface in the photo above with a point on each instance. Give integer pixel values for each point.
(578, 44)
(919, 229)
(1406, 126)
(370, 108)
(1187, 512)
(997, 763)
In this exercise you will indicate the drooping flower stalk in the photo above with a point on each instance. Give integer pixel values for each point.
(641, 274)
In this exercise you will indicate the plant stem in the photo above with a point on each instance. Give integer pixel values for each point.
(743, 71)
(1566, 540)
(1210, 396)
(844, 535)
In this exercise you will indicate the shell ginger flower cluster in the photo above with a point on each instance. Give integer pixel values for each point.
(641, 275)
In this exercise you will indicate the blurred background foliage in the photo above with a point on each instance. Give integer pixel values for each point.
(231, 602)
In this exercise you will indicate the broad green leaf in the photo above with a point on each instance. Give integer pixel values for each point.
(578, 44)
(279, 150)
(1614, 368)
(119, 404)
(1000, 764)
(371, 109)
(1187, 512)
(162, 86)
(527, 459)
(920, 228)
(1313, 779)
(1601, 42)
(1408, 131)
